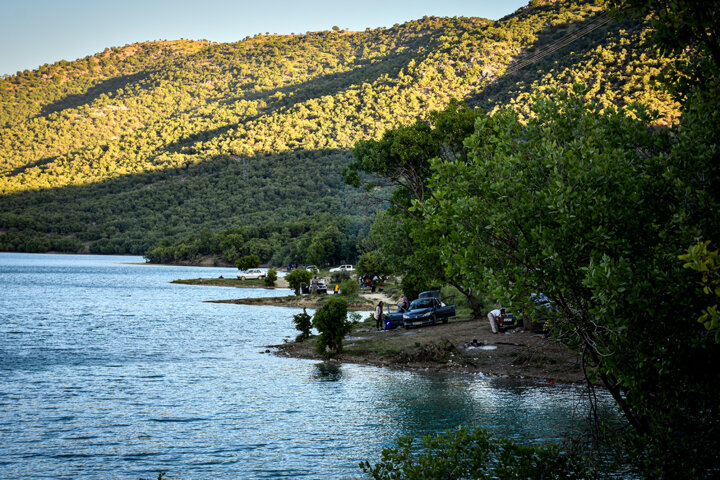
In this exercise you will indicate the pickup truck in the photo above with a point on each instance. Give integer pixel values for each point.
(428, 309)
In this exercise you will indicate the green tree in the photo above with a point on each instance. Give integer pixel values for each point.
(324, 246)
(331, 322)
(271, 278)
(401, 159)
(298, 278)
(372, 263)
(474, 454)
(247, 262)
(707, 263)
(303, 323)
(582, 205)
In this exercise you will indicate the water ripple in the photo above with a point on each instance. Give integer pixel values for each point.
(110, 371)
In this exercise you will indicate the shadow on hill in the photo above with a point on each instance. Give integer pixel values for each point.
(94, 92)
(284, 98)
(36, 163)
(135, 211)
(499, 91)
(364, 71)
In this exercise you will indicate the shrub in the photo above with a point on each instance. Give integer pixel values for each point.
(249, 261)
(303, 323)
(349, 287)
(331, 322)
(338, 277)
(298, 277)
(271, 278)
(476, 454)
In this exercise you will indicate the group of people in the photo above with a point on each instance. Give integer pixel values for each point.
(372, 282)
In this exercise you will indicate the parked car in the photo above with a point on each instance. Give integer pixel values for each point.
(543, 311)
(542, 302)
(393, 316)
(311, 269)
(321, 287)
(251, 274)
(507, 321)
(428, 309)
(342, 268)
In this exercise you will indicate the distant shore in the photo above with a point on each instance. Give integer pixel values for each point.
(300, 301)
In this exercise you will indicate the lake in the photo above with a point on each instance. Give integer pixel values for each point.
(108, 371)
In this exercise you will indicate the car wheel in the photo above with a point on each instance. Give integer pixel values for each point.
(242, 278)
(445, 320)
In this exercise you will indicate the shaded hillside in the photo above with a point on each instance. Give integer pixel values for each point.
(135, 144)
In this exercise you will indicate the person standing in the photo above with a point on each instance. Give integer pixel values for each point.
(495, 317)
(405, 305)
(378, 315)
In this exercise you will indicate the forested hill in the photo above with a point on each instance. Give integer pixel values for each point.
(122, 149)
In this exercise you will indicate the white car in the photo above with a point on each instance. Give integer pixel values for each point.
(321, 287)
(343, 268)
(252, 274)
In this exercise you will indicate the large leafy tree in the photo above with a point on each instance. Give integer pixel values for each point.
(297, 278)
(592, 208)
(394, 170)
(691, 30)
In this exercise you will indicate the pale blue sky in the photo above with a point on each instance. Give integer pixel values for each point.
(36, 32)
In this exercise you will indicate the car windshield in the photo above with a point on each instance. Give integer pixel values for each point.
(421, 303)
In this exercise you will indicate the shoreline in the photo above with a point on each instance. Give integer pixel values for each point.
(463, 345)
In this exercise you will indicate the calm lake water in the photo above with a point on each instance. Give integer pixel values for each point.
(109, 371)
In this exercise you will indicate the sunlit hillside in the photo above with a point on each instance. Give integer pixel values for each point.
(114, 152)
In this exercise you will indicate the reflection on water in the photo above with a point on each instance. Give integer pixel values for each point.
(328, 372)
(109, 371)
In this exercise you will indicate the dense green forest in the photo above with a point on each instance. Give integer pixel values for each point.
(156, 142)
